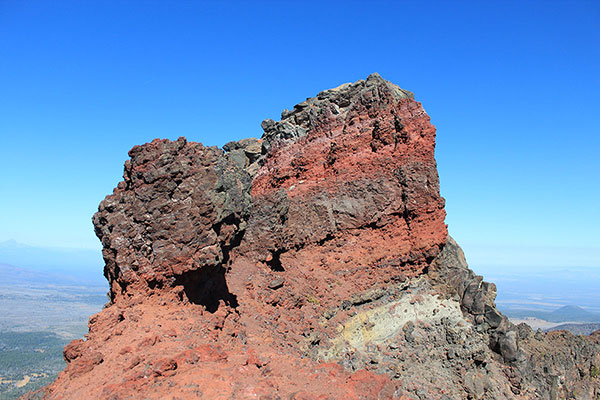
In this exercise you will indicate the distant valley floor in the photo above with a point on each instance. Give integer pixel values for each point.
(36, 322)
(577, 328)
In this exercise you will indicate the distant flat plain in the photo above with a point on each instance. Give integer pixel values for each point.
(43, 305)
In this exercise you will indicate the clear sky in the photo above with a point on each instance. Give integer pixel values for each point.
(513, 88)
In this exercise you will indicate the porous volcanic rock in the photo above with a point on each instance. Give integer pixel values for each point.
(174, 218)
(313, 263)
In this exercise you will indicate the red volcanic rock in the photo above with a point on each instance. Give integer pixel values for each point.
(313, 263)
(73, 350)
(86, 363)
(364, 160)
(164, 367)
(347, 194)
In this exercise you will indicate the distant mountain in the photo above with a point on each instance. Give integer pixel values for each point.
(573, 313)
(563, 314)
(81, 265)
(576, 329)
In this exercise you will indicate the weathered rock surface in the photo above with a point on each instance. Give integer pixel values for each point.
(174, 218)
(313, 263)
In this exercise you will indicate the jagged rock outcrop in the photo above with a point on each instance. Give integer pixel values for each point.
(173, 220)
(313, 263)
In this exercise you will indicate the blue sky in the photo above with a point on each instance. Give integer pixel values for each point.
(512, 87)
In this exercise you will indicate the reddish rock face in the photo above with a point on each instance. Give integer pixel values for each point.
(226, 261)
(353, 188)
(281, 267)
(345, 200)
(347, 183)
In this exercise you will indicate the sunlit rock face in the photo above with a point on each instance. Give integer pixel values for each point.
(313, 263)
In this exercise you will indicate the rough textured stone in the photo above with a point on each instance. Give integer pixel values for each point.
(313, 263)
(173, 220)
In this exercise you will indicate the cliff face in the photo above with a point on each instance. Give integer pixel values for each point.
(313, 263)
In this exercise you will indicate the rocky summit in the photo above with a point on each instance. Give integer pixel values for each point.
(313, 263)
